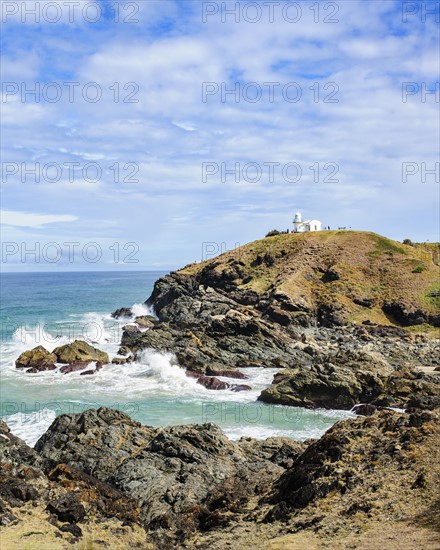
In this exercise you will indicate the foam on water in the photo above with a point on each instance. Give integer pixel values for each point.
(153, 385)
(142, 309)
(30, 426)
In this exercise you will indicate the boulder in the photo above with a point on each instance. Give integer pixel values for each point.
(67, 508)
(338, 380)
(211, 382)
(79, 351)
(145, 321)
(130, 328)
(74, 367)
(122, 312)
(36, 360)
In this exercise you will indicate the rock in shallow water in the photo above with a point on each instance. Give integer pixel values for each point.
(36, 360)
(79, 351)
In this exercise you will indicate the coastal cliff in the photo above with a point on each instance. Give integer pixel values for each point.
(348, 317)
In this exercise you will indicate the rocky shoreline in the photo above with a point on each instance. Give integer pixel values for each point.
(103, 478)
(339, 339)
(213, 331)
(290, 310)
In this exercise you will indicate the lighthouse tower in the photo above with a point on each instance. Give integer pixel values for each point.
(304, 226)
(297, 222)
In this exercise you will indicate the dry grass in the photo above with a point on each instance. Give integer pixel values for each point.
(34, 532)
(369, 265)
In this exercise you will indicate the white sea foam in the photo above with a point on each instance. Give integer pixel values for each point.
(141, 309)
(30, 426)
(153, 380)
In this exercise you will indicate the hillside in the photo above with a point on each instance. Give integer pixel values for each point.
(326, 309)
(357, 274)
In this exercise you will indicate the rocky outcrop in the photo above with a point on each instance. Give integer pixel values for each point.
(123, 312)
(173, 473)
(343, 379)
(75, 357)
(36, 360)
(408, 316)
(79, 351)
(258, 307)
(361, 466)
(191, 487)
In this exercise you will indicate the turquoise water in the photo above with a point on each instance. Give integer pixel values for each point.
(51, 309)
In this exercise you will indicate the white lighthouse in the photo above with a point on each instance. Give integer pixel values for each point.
(300, 226)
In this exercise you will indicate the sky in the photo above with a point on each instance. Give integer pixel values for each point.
(152, 134)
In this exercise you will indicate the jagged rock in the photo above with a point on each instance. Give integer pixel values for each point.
(146, 321)
(14, 450)
(93, 492)
(74, 366)
(341, 462)
(96, 441)
(279, 450)
(67, 508)
(210, 382)
(168, 470)
(36, 360)
(122, 312)
(190, 486)
(79, 351)
(406, 315)
(341, 381)
(130, 328)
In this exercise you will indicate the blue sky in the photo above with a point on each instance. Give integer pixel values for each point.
(347, 59)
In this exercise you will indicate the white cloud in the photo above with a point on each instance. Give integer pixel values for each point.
(28, 219)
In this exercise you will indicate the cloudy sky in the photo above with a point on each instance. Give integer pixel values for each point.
(157, 126)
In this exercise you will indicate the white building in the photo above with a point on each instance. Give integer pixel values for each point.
(300, 226)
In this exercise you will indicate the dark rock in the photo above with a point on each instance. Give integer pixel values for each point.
(73, 367)
(214, 370)
(342, 380)
(14, 450)
(71, 528)
(408, 316)
(212, 383)
(366, 409)
(330, 275)
(67, 508)
(169, 471)
(364, 302)
(122, 312)
(279, 316)
(240, 387)
(96, 441)
(131, 328)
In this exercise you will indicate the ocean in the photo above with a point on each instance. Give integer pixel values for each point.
(51, 309)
